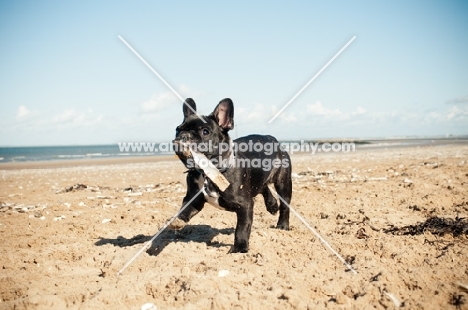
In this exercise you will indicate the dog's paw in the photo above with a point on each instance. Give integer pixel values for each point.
(241, 248)
(273, 208)
(282, 226)
(177, 224)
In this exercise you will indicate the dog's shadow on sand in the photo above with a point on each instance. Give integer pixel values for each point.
(190, 233)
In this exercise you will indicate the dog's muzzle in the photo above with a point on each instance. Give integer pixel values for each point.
(182, 147)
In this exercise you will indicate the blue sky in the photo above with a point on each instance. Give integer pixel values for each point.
(66, 78)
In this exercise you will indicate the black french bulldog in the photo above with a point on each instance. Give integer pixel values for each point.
(241, 166)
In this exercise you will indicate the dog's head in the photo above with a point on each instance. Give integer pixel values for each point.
(208, 134)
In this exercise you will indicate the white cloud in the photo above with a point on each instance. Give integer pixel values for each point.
(187, 92)
(457, 113)
(359, 111)
(258, 113)
(318, 109)
(66, 116)
(22, 113)
(72, 118)
(458, 100)
(343, 122)
(288, 117)
(161, 101)
(454, 114)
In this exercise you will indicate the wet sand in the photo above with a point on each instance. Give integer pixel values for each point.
(68, 227)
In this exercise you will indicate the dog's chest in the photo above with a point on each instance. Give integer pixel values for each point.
(210, 193)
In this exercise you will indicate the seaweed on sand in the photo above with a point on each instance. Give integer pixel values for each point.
(435, 225)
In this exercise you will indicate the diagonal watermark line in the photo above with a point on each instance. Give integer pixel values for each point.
(327, 245)
(148, 244)
(311, 80)
(161, 78)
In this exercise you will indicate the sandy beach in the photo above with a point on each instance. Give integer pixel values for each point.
(394, 214)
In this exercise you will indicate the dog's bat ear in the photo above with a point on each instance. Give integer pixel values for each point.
(189, 107)
(224, 114)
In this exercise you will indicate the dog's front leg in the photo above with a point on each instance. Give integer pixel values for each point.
(196, 204)
(243, 228)
(190, 211)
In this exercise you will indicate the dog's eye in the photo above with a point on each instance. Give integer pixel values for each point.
(205, 132)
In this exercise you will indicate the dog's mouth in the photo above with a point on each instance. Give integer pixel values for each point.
(182, 148)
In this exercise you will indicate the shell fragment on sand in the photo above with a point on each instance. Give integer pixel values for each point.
(210, 170)
(377, 179)
(395, 300)
(149, 306)
(59, 218)
(462, 286)
(222, 273)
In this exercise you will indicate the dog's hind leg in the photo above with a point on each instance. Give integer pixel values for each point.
(270, 201)
(283, 186)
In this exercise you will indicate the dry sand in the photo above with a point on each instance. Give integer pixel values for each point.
(62, 249)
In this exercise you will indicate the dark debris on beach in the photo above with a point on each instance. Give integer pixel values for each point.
(435, 225)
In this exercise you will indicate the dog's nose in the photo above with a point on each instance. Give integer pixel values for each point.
(183, 137)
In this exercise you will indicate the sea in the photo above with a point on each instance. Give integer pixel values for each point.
(53, 153)
(60, 153)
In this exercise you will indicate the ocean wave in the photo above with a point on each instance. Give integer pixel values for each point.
(69, 156)
(136, 154)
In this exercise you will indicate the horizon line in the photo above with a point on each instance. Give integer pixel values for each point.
(334, 139)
